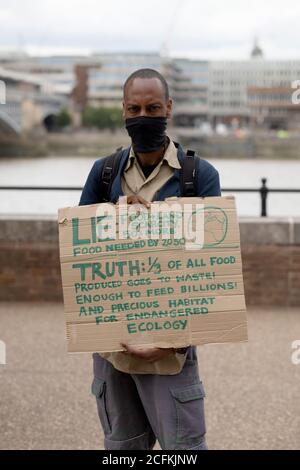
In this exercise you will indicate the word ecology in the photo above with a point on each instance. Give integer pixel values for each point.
(183, 222)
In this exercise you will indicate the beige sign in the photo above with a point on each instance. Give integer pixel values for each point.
(181, 283)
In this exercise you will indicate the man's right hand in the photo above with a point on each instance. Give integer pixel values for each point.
(134, 199)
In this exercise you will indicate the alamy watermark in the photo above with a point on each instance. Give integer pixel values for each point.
(295, 357)
(2, 353)
(181, 222)
(296, 93)
(2, 92)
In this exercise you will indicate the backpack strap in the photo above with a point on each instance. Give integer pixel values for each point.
(109, 172)
(188, 175)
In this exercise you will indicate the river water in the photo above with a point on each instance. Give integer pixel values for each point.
(72, 171)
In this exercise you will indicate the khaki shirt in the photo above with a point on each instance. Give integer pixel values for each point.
(135, 182)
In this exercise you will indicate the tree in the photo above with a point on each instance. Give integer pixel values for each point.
(63, 118)
(102, 118)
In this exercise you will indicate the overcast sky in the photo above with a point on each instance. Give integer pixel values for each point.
(217, 29)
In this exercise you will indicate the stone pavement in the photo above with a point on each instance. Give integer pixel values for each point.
(253, 389)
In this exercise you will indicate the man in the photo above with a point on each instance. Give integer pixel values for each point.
(146, 394)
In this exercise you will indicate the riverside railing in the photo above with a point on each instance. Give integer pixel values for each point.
(263, 190)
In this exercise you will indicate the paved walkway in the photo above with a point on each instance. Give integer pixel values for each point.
(253, 389)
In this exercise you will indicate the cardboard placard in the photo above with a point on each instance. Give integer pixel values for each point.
(152, 291)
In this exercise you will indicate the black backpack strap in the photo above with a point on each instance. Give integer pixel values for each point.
(108, 174)
(188, 175)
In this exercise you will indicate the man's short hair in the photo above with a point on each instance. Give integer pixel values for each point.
(148, 73)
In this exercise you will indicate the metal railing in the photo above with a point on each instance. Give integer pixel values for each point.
(263, 190)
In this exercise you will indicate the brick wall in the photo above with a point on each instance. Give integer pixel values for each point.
(271, 260)
(29, 257)
(271, 274)
(30, 269)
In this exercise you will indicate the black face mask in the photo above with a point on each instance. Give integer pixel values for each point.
(147, 133)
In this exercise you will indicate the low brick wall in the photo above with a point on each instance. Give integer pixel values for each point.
(30, 267)
(29, 257)
(271, 260)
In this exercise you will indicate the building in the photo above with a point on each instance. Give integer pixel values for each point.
(230, 82)
(190, 92)
(234, 87)
(105, 83)
(272, 108)
(188, 82)
(204, 92)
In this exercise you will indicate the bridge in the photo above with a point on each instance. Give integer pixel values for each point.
(8, 126)
(25, 102)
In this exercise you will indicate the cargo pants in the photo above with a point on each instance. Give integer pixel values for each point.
(137, 409)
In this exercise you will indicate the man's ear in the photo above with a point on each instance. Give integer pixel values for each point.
(169, 108)
(123, 105)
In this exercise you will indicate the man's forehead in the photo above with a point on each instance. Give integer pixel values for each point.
(146, 87)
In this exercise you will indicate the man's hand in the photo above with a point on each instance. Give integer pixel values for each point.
(134, 199)
(148, 354)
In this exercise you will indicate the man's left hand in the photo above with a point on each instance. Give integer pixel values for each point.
(148, 354)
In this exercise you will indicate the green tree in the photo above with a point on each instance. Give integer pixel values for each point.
(63, 118)
(102, 118)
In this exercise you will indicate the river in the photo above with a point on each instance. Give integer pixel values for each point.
(72, 171)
